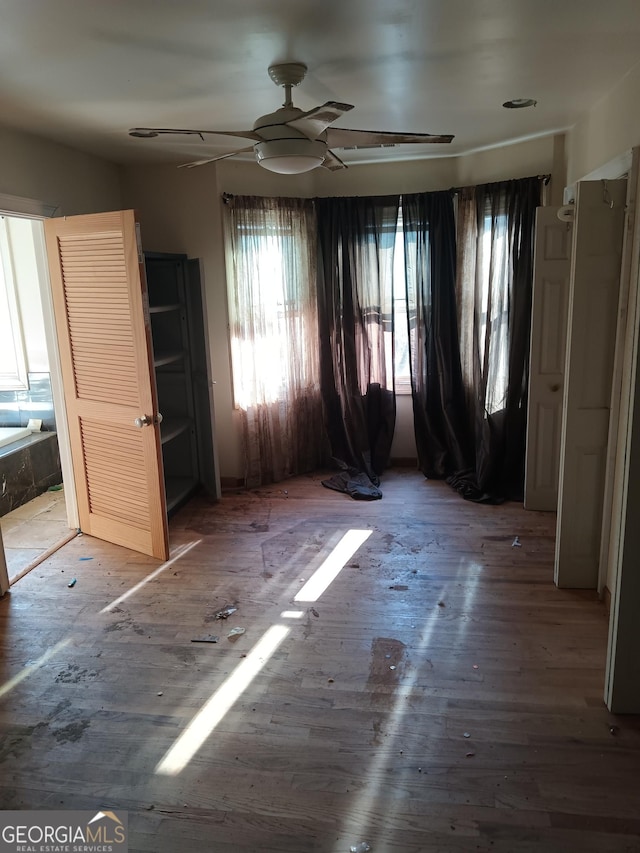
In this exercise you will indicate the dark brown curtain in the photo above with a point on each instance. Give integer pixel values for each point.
(356, 239)
(494, 286)
(439, 407)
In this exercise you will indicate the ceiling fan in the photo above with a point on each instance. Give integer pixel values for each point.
(290, 141)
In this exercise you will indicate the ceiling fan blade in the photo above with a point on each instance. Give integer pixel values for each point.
(316, 121)
(341, 137)
(213, 159)
(332, 162)
(150, 132)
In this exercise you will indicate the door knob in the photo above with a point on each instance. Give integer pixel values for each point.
(554, 387)
(145, 420)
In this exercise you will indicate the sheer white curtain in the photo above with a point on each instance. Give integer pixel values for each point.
(271, 278)
(494, 283)
(484, 285)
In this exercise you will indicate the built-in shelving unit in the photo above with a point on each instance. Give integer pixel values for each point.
(168, 310)
(173, 427)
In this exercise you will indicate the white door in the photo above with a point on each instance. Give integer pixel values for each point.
(593, 308)
(552, 266)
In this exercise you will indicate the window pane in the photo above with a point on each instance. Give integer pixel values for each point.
(401, 367)
(13, 369)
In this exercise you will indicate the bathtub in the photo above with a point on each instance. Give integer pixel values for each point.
(10, 434)
(29, 464)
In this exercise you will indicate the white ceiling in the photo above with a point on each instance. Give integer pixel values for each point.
(84, 71)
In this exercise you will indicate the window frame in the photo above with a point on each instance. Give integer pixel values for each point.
(15, 378)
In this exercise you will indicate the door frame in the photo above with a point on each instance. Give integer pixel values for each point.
(578, 556)
(55, 369)
(619, 411)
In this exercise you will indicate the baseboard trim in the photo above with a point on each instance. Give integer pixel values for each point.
(231, 483)
(403, 462)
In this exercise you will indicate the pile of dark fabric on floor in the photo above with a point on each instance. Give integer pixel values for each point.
(354, 483)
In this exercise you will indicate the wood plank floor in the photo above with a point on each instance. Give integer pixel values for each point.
(440, 695)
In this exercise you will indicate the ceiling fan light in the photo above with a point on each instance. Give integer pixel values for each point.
(290, 156)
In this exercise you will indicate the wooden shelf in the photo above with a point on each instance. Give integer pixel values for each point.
(178, 489)
(172, 427)
(161, 309)
(167, 358)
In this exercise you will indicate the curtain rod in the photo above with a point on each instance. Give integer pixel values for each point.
(544, 178)
(227, 197)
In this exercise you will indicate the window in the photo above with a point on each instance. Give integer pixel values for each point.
(397, 345)
(271, 276)
(272, 302)
(494, 310)
(404, 315)
(13, 363)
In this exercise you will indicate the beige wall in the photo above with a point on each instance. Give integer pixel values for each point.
(180, 211)
(519, 160)
(74, 182)
(530, 157)
(607, 130)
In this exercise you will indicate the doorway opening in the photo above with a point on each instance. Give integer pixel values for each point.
(36, 512)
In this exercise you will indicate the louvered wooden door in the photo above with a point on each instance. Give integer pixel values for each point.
(102, 321)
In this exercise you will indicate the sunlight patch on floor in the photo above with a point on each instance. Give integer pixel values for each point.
(220, 702)
(223, 699)
(32, 667)
(179, 552)
(329, 570)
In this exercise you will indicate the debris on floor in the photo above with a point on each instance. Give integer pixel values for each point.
(226, 611)
(516, 543)
(354, 483)
(441, 604)
(82, 559)
(314, 612)
(209, 638)
(235, 632)
(363, 847)
(399, 587)
(72, 582)
(466, 734)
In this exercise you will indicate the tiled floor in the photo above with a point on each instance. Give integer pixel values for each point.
(31, 529)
